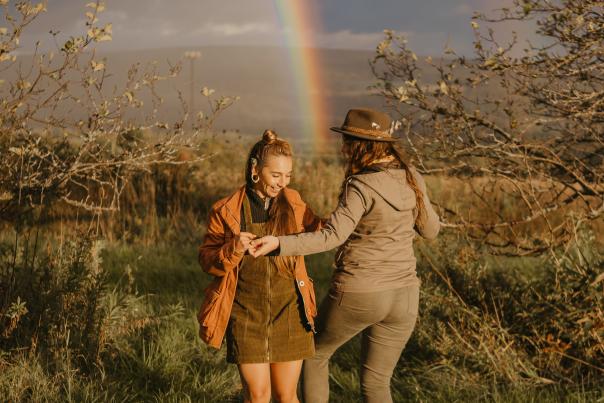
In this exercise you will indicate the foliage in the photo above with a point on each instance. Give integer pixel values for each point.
(49, 302)
(492, 346)
(85, 320)
(527, 118)
(67, 136)
(483, 321)
(69, 148)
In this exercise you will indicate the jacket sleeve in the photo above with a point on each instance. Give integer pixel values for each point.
(336, 230)
(217, 255)
(430, 225)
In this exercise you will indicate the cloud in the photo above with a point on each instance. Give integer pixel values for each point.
(464, 9)
(343, 24)
(168, 31)
(346, 39)
(234, 29)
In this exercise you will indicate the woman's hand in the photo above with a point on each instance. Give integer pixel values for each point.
(242, 241)
(264, 245)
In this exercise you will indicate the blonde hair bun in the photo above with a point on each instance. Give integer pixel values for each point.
(269, 136)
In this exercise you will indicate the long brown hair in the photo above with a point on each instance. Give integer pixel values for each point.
(361, 153)
(281, 214)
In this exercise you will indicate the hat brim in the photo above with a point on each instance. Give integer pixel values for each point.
(364, 136)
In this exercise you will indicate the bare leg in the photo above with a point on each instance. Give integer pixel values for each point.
(284, 380)
(256, 381)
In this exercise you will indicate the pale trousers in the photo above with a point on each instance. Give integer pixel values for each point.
(386, 320)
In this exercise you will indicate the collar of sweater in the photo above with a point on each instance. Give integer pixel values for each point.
(258, 201)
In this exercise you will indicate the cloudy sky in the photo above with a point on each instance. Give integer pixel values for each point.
(347, 24)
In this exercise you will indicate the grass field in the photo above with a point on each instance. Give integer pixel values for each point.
(163, 360)
(115, 320)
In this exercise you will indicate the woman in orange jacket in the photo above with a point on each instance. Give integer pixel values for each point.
(265, 306)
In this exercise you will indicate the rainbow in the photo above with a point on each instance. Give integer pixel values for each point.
(299, 21)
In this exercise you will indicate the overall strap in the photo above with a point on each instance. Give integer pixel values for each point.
(247, 212)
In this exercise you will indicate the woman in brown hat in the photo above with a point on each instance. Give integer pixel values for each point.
(265, 305)
(374, 289)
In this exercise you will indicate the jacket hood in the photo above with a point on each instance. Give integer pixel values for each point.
(391, 185)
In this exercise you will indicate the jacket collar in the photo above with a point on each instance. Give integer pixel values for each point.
(379, 167)
(230, 210)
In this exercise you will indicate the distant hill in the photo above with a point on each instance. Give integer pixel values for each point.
(263, 79)
(261, 76)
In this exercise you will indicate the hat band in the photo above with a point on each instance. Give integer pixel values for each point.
(357, 130)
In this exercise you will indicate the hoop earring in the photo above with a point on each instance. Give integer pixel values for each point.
(255, 178)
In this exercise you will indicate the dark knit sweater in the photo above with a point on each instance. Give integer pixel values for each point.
(259, 213)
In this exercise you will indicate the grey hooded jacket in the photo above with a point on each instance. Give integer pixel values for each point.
(374, 226)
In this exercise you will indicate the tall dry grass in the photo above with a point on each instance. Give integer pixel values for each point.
(115, 320)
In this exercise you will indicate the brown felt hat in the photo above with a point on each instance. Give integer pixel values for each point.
(367, 124)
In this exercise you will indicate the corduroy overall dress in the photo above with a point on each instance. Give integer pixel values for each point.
(266, 323)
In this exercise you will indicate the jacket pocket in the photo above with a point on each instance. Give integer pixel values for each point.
(209, 308)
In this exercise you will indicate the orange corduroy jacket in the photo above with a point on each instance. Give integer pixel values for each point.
(219, 257)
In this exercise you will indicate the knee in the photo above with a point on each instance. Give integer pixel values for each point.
(375, 386)
(258, 394)
(285, 396)
(322, 353)
(315, 365)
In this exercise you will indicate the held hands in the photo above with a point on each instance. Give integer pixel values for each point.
(264, 245)
(248, 242)
(242, 241)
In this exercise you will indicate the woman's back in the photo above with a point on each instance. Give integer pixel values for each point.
(374, 225)
(378, 254)
(375, 290)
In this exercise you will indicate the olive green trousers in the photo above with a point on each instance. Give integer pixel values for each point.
(386, 320)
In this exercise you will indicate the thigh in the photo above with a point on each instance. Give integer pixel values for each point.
(339, 320)
(285, 376)
(256, 378)
(383, 342)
